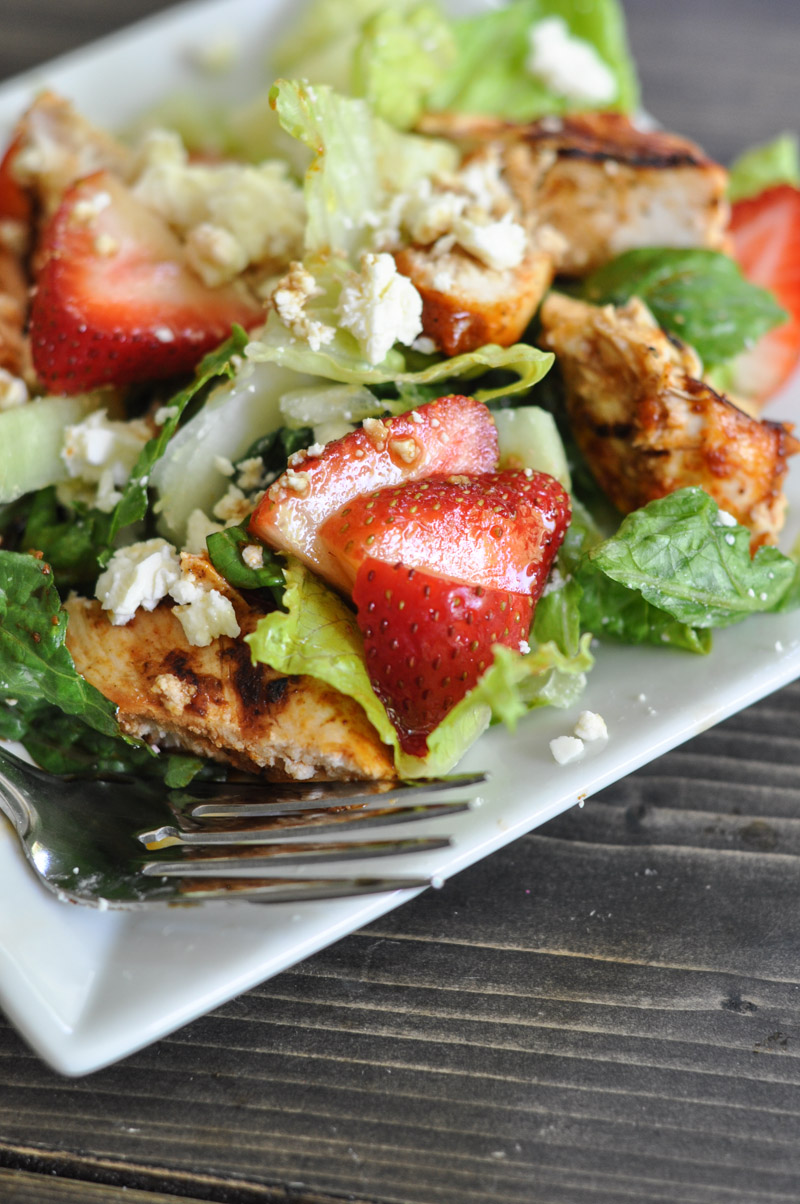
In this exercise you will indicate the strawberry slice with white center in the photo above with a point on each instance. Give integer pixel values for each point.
(116, 300)
(449, 436)
(428, 640)
(500, 530)
(766, 245)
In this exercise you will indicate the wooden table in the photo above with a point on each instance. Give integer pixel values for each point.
(606, 1012)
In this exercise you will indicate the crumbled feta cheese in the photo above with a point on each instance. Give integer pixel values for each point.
(289, 300)
(567, 65)
(230, 215)
(590, 726)
(223, 465)
(103, 453)
(499, 244)
(204, 614)
(13, 390)
(137, 576)
(566, 749)
(380, 307)
(730, 539)
(249, 473)
(164, 413)
(724, 519)
(233, 506)
(253, 556)
(198, 527)
(524, 647)
(424, 345)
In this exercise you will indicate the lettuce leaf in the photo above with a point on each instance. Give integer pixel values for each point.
(35, 663)
(684, 559)
(360, 162)
(490, 76)
(318, 635)
(341, 359)
(701, 296)
(400, 58)
(765, 166)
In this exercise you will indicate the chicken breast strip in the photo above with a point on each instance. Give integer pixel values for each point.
(214, 702)
(648, 425)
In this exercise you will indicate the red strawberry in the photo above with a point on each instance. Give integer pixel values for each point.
(766, 242)
(116, 300)
(15, 203)
(428, 640)
(452, 435)
(500, 530)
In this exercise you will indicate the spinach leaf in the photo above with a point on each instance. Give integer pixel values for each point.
(698, 295)
(277, 446)
(683, 558)
(34, 660)
(225, 551)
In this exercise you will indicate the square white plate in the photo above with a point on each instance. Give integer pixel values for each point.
(85, 987)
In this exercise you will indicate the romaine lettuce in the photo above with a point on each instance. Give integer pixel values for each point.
(317, 634)
(776, 162)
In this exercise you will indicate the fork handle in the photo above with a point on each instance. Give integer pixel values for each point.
(14, 777)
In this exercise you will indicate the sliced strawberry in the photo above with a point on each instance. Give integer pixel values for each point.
(116, 300)
(766, 242)
(496, 529)
(452, 435)
(15, 203)
(428, 640)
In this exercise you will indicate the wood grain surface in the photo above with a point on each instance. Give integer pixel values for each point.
(605, 1012)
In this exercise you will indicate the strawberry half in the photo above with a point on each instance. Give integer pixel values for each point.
(115, 299)
(452, 435)
(15, 203)
(428, 640)
(500, 530)
(766, 245)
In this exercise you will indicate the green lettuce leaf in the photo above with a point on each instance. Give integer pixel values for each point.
(34, 660)
(490, 75)
(614, 613)
(134, 501)
(360, 162)
(701, 296)
(341, 359)
(682, 558)
(761, 167)
(401, 56)
(318, 635)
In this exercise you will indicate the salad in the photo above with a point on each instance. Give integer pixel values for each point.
(317, 435)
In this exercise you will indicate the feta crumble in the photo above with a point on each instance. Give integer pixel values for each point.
(137, 576)
(289, 300)
(13, 390)
(590, 726)
(102, 452)
(204, 614)
(380, 307)
(566, 749)
(568, 66)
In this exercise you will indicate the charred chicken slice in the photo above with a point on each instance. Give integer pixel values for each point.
(602, 183)
(214, 702)
(648, 425)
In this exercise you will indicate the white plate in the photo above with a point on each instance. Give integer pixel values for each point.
(86, 988)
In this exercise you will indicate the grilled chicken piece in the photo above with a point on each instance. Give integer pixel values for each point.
(466, 304)
(604, 184)
(648, 426)
(55, 146)
(214, 702)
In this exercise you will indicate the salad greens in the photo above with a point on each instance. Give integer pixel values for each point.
(667, 575)
(776, 162)
(698, 295)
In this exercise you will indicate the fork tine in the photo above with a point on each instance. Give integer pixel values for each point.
(247, 799)
(301, 853)
(316, 823)
(297, 890)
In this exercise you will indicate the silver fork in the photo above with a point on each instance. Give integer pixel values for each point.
(123, 843)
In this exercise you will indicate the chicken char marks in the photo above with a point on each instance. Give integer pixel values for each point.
(648, 425)
(215, 702)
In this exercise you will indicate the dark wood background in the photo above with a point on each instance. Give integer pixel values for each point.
(606, 1012)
